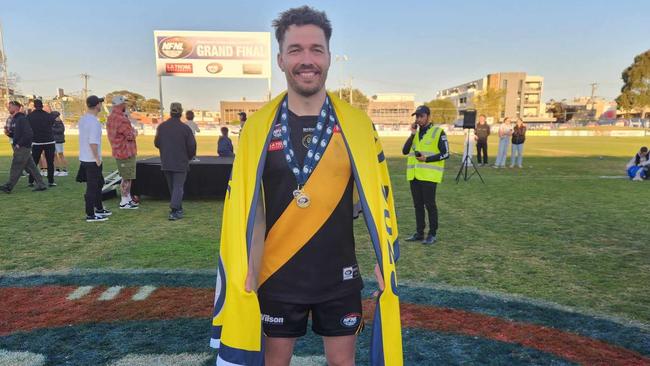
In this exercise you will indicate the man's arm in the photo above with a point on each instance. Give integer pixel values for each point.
(443, 146)
(156, 140)
(191, 144)
(95, 150)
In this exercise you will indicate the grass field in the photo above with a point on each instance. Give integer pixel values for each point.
(552, 231)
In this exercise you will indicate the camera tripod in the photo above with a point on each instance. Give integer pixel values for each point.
(467, 160)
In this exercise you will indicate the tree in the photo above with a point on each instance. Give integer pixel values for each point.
(442, 110)
(635, 93)
(489, 102)
(151, 106)
(359, 100)
(134, 100)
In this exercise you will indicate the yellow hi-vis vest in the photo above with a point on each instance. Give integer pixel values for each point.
(430, 172)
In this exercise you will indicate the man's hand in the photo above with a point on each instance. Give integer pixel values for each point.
(414, 128)
(421, 158)
(249, 282)
(380, 280)
(98, 162)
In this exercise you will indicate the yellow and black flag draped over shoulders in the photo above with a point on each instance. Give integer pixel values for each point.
(237, 321)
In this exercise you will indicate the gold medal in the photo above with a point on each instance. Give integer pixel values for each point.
(303, 200)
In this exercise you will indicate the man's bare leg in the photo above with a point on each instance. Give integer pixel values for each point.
(340, 351)
(278, 351)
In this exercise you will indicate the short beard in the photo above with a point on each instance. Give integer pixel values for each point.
(307, 92)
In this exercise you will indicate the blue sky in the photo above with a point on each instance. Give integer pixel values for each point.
(393, 46)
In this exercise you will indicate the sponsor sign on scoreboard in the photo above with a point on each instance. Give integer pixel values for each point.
(213, 54)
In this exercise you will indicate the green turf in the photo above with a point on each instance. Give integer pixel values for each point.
(553, 231)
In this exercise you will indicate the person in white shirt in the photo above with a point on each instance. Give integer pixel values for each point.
(505, 131)
(638, 167)
(90, 160)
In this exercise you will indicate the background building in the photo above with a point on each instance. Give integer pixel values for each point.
(523, 95)
(391, 108)
(230, 109)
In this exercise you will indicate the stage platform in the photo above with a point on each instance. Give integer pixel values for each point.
(207, 177)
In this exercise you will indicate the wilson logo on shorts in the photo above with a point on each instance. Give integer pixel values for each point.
(351, 320)
(267, 319)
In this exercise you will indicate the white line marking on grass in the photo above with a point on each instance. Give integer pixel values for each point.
(9, 358)
(110, 293)
(613, 177)
(182, 359)
(80, 292)
(143, 293)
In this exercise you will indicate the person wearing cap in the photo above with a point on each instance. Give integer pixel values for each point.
(43, 141)
(427, 149)
(90, 160)
(177, 146)
(22, 145)
(121, 136)
(242, 119)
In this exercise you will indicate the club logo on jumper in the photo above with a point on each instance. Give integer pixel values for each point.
(351, 320)
(306, 140)
(214, 68)
(175, 47)
(350, 273)
(267, 319)
(276, 145)
(337, 129)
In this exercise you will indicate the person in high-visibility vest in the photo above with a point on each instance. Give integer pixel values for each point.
(427, 150)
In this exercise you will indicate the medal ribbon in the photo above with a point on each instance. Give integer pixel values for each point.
(317, 144)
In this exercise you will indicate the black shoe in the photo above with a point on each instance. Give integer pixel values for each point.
(415, 237)
(96, 218)
(5, 189)
(103, 212)
(174, 215)
(40, 188)
(431, 239)
(52, 184)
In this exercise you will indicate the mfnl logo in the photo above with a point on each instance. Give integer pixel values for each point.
(175, 47)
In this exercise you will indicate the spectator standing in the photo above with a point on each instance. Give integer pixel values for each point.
(90, 160)
(58, 130)
(21, 135)
(43, 142)
(177, 146)
(505, 132)
(481, 133)
(518, 139)
(224, 144)
(242, 120)
(121, 135)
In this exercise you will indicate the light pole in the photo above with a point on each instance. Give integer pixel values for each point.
(341, 58)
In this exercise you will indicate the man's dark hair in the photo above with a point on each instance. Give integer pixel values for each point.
(303, 15)
(16, 103)
(189, 115)
(644, 149)
(224, 129)
(175, 115)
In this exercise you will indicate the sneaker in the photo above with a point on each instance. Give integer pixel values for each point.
(57, 173)
(103, 212)
(175, 215)
(431, 239)
(5, 189)
(96, 218)
(52, 184)
(519, 166)
(129, 206)
(415, 237)
(64, 173)
(44, 173)
(40, 188)
(196, 159)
